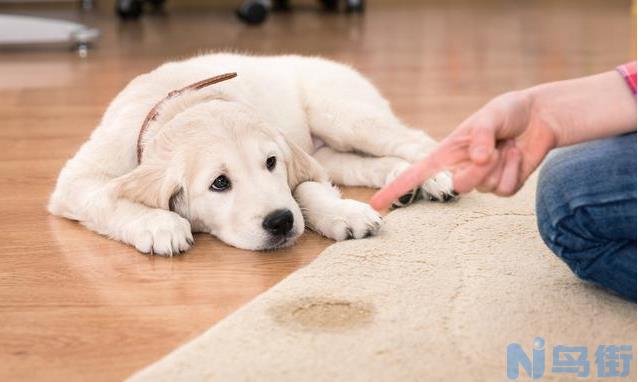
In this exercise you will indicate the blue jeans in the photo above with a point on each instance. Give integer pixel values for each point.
(586, 210)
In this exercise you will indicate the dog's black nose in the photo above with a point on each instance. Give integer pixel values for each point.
(278, 222)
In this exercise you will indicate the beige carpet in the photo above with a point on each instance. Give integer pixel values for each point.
(437, 296)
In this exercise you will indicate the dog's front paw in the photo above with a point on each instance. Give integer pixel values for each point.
(350, 219)
(160, 232)
(439, 187)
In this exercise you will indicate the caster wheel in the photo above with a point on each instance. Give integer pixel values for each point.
(280, 5)
(252, 12)
(128, 9)
(330, 5)
(355, 6)
(157, 4)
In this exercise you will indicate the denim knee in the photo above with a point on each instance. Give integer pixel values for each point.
(563, 234)
(586, 210)
(556, 222)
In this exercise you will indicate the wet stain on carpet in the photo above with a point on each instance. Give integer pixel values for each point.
(317, 313)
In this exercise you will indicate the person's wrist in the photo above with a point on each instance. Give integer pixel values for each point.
(544, 116)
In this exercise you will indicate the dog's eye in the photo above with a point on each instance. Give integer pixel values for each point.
(221, 183)
(271, 162)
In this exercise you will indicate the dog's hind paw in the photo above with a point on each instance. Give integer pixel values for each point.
(439, 188)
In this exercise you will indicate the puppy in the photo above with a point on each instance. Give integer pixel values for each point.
(249, 159)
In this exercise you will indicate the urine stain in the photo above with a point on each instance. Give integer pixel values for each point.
(327, 314)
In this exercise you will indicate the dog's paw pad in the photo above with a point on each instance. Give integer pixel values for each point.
(408, 199)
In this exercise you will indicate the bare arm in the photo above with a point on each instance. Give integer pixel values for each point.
(499, 146)
(510, 136)
(586, 108)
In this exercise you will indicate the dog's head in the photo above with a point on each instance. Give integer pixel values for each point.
(227, 172)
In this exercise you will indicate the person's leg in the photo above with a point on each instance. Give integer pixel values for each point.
(586, 210)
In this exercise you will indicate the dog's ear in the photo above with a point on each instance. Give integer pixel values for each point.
(300, 166)
(153, 185)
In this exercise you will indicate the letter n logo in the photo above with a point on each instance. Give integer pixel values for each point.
(516, 358)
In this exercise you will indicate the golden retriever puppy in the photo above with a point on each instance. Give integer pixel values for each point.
(249, 159)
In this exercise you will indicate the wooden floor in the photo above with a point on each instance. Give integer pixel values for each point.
(77, 306)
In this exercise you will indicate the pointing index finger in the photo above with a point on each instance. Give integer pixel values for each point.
(445, 156)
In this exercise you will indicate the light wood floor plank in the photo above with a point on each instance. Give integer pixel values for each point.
(77, 306)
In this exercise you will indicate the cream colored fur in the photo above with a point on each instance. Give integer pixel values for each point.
(276, 107)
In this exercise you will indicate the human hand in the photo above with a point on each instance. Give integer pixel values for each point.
(498, 147)
(510, 136)
(506, 141)
(494, 150)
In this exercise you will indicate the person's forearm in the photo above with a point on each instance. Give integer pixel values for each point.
(586, 108)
